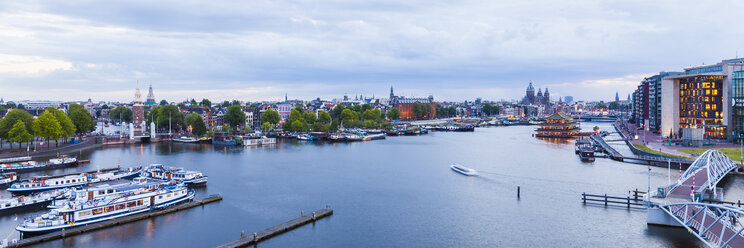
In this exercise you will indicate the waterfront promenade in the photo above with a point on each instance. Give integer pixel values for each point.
(43, 151)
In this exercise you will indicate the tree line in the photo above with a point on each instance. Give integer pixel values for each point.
(18, 126)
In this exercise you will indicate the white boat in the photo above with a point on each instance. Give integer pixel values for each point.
(261, 141)
(35, 201)
(6, 179)
(44, 183)
(166, 173)
(133, 200)
(463, 170)
(101, 191)
(184, 139)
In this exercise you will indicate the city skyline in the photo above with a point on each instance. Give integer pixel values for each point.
(454, 51)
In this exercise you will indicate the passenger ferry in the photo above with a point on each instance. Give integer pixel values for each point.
(44, 183)
(184, 139)
(132, 200)
(60, 162)
(6, 179)
(35, 201)
(101, 191)
(161, 172)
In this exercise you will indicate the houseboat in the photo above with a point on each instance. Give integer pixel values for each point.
(6, 179)
(45, 183)
(258, 142)
(337, 137)
(133, 200)
(306, 137)
(224, 139)
(54, 163)
(377, 136)
(167, 173)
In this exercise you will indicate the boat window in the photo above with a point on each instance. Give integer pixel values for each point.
(109, 209)
(98, 211)
(101, 192)
(160, 197)
(110, 191)
(131, 204)
(120, 206)
(83, 213)
(68, 181)
(139, 202)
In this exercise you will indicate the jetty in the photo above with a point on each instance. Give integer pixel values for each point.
(109, 223)
(246, 240)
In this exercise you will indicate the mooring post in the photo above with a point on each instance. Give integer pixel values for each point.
(738, 203)
(313, 216)
(242, 234)
(605, 200)
(302, 213)
(518, 191)
(255, 237)
(583, 197)
(628, 202)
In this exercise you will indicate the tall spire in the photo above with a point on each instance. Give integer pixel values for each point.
(137, 95)
(391, 92)
(285, 97)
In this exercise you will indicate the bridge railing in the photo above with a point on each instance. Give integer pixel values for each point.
(727, 217)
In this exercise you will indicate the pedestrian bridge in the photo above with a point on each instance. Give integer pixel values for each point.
(717, 225)
(701, 177)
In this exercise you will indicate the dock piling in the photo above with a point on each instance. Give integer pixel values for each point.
(276, 230)
(518, 192)
(605, 200)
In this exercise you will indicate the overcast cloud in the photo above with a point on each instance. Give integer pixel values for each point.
(258, 50)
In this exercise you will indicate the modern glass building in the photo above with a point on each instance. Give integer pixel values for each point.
(737, 78)
(701, 105)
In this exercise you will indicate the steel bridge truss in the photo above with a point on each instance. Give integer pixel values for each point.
(716, 164)
(716, 225)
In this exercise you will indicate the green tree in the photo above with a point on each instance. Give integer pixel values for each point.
(13, 116)
(294, 115)
(105, 106)
(320, 127)
(266, 127)
(19, 134)
(393, 114)
(309, 117)
(600, 105)
(181, 105)
(120, 114)
(299, 108)
(334, 126)
(205, 103)
(271, 116)
(418, 110)
(487, 109)
(163, 102)
(169, 112)
(365, 107)
(299, 126)
(324, 117)
(81, 118)
(235, 116)
(193, 102)
(48, 127)
(614, 105)
(348, 115)
(197, 124)
(68, 128)
(369, 124)
(336, 112)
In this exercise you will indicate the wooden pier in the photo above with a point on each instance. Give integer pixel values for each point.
(109, 223)
(635, 201)
(251, 239)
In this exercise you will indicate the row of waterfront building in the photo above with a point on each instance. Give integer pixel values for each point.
(709, 97)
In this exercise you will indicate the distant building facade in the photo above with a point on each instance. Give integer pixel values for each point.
(405, 106)
(539, 99)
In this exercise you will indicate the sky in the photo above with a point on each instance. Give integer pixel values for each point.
(262, 49)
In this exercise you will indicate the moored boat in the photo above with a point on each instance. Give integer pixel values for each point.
(6, 179)
(35, 201)
(337, 137)
(463, 170)
(167, 173)
(184, 139)
(63, 161)
(134, 200)
(46, 183)
(369, 137)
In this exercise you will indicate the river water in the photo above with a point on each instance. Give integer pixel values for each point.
(398, 192)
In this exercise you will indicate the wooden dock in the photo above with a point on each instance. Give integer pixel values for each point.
(251, 239)
(109, 223)
(628, 201)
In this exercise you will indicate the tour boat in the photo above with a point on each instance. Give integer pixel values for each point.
(391, 132)
(369, 137)
(35, 201)
(463, 170)
(161, 172)
(45, 183)
(63, 161)
(354, 137)
(184, 139)
(6, 179)
(337, 137)
(260, 141)
(129, 201)
(306, 137)
(100, 191)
